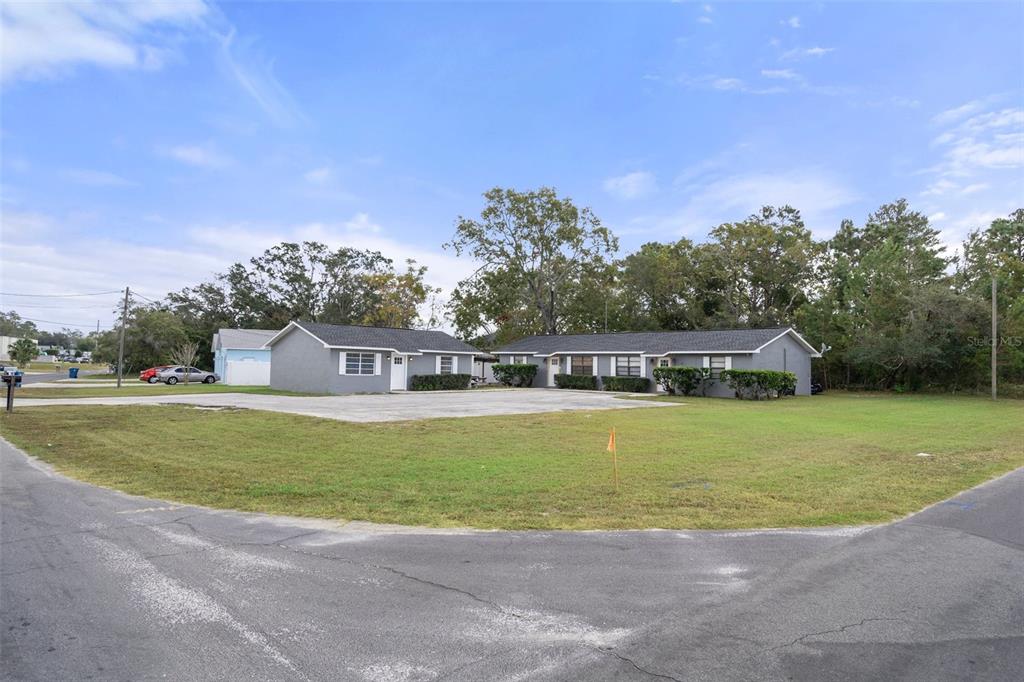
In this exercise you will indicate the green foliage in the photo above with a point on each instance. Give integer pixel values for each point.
(682, 380)
(627, 384)
(757, 384)
(439, 382)
(514, 374)
(23, 351)
(582, 382)
(11, 324)
(151, 335)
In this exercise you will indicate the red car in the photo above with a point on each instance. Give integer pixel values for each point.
(149, 375)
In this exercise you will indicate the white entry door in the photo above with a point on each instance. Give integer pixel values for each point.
(399, 372)
(552, 370)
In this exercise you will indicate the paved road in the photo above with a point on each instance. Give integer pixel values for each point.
(46, 377)
(386, 407)
(99, 585)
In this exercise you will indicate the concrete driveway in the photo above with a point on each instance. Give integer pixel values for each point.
(387, 407)
(100, 585)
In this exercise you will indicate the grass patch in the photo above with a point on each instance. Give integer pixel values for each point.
(837, 459)
(137, 388)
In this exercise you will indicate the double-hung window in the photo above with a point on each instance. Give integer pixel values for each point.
(446, 364)
(359, 363)
(717, 365)
(582, 365)
(519, 360)
(627, 366)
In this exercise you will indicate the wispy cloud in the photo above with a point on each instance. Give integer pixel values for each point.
(631, 186)
(705, 17)
(798, 53)
(254, 74)
(318, 176)
(200, 156)
(792, 22)
(95, 178)
(48, 39)
(783, 74)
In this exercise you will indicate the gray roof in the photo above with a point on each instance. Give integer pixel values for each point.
(651, 343)
(401, 340)
(242, 338)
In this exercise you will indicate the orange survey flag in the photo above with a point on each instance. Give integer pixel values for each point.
(611, 441)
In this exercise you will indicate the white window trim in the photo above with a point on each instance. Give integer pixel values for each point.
(455, 363)
(594, 366)
(343, 360)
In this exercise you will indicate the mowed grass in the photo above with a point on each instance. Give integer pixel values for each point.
(137, 388)
(835, 459)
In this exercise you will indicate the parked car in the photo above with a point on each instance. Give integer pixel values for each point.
(174, 374)
(816, 389)
(150, 375)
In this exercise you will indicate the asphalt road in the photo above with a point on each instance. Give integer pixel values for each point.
(100, 585)
(51, 376)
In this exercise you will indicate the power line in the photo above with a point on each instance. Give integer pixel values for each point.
(98, 293)
(66, 324)
(135, 293)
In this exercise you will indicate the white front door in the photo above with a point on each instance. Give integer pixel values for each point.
(662, 362)
(399, 371)
(552, 370)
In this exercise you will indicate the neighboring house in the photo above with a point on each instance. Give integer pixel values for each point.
(330, 358)
(5, 345)
(239, 357)
(638, 353)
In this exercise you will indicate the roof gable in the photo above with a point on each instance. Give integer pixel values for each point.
(243, 338)
(378, 338)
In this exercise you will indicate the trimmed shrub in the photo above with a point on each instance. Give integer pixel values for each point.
(682, 380)
(582, 382)
(758, 384)
(514, 375)
(628, 384)
(439, 382)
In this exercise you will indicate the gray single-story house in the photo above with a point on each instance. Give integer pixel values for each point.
(638, 353)
(240, 359)
(333, 358)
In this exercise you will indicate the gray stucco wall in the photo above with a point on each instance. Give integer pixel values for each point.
(786, 354)
(302, 364)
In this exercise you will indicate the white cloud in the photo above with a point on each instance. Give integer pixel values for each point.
(361, 222)
(318, 176)
(792, 22)
(196, 155)
(47, 39)
(254, 74)
(798, 53)
(95, 178)
(631, 186)
(704, 19)
(783, 74)
(816, 193)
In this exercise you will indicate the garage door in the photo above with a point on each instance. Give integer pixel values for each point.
(247, 373)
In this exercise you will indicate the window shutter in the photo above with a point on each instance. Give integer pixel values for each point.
(728, 362)
(437, 364)
(341, 362)
(615, 367)
(643, 366)
(594, 365)
(707, 362)
(376, 364)
(455, 364)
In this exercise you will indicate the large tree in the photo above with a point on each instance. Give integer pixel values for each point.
(535, 250)
(11, 324)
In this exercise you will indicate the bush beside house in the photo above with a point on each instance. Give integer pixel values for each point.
(758, 384)
(627, 384)
(682, 380)
(439, 382)
(514, 374)
(576, 381)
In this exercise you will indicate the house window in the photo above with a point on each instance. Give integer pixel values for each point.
(627, 366)
(582, 365)
(446, 364)
(518, 360)
(359, 363)
(717, 365)
(664, 362)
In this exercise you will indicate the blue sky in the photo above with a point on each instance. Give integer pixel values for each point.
(133, 134)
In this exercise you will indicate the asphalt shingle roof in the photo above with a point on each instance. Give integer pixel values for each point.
(245, 338)
(402, 340)
(653, 343)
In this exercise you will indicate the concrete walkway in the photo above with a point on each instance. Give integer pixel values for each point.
(386, 407)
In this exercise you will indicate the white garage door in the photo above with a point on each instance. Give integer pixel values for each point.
(247, 373)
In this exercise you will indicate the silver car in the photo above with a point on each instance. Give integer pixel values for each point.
(178, 373)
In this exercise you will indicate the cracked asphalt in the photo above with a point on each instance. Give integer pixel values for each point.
(100, 585)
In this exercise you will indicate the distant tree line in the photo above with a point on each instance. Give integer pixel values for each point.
(896, 310)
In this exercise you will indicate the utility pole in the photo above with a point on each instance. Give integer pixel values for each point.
(120, 350)
(995, 337)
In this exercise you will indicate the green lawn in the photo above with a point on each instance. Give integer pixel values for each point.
(135, 388)
(834, 459)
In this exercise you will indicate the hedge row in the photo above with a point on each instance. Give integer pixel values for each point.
(439, 382)
(756, 384)
(628, 384)
(514, 375)
(682, 380)
(583, 382)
